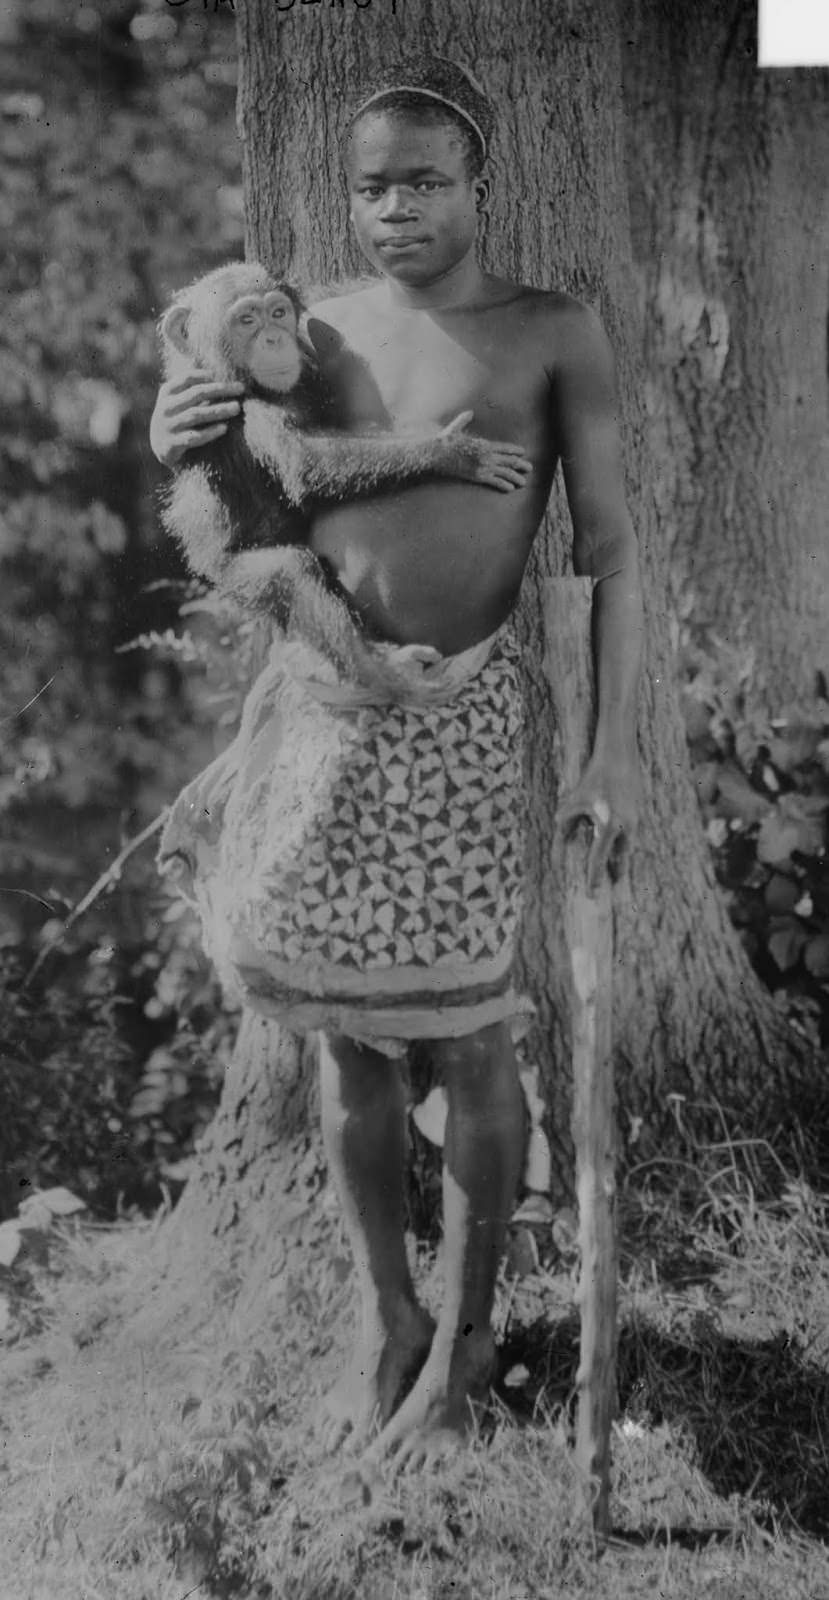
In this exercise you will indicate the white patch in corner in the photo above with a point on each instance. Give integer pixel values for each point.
(793, 33)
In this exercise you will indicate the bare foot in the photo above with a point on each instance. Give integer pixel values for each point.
(386, 1359)
(434, 1418)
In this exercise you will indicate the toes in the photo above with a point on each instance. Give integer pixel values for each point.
(361, 1431)
(349, 1434)
(335, 1434)
(376, 1453)
(425, 1451)
(409, 1457)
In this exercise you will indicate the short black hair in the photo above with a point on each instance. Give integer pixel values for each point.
(432, 91)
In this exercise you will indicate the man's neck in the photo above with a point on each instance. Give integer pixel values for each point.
(464, 284)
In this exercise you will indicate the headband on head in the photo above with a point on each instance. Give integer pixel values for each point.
(428, 94)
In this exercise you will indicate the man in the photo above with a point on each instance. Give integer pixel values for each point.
(434, 571)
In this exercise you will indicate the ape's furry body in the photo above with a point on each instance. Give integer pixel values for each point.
(237, 505)
(240, 505)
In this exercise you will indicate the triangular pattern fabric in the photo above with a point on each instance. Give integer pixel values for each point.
(362, 868)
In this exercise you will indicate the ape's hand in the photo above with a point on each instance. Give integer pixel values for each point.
(491, 462)
(190, 411)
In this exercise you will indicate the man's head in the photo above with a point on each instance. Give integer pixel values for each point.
(416, 148)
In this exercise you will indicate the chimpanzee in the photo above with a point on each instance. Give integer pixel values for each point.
(240, 505)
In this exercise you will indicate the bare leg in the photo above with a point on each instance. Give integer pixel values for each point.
(364, 1131)
(482, 1163)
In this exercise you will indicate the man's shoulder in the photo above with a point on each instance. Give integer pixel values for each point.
(563, 312)
(568, 332)
(333, 322)
(338, 304)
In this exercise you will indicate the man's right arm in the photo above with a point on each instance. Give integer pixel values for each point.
(190, 411)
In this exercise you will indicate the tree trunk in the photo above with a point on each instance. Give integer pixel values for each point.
(730, 225)
(690, 1017)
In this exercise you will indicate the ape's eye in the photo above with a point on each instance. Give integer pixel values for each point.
(247, 317)
(278, 311)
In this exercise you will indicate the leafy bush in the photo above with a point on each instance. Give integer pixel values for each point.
(763, 785)
(112, 1062)
(110, 1058)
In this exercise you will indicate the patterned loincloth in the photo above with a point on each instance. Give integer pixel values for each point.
(358, 866)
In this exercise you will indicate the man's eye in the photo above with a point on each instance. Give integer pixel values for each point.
(371, 191)
(429, 184)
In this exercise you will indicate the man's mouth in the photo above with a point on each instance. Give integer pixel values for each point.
(399, 244)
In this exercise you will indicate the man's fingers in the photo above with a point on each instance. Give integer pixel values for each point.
(204, 394)
(199, 436)
(183, 381)
(203, 415)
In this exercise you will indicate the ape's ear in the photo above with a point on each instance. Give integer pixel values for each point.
(174, 326)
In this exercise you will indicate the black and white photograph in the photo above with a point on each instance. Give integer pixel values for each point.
(414, 800)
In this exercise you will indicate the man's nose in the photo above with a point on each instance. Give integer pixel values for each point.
(398, 204)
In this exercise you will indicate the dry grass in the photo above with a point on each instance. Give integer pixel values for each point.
(157, 1441)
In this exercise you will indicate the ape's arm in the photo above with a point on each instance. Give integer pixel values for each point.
(318, 467)
(262, 580)
(290, 586)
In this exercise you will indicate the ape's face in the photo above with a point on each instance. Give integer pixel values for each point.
(260, 337)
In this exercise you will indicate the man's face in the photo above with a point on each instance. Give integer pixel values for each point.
(413, 204)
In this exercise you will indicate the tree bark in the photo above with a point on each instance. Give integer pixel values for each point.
(690, 1017)
(730, 225)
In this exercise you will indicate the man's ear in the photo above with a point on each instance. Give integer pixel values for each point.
(174, 329)
(483, 193)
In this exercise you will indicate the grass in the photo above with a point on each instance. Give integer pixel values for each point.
(157, 1441)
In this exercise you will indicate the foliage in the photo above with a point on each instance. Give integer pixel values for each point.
(763, 785)
(102, 229)
(112, 1058)
(111, 1066)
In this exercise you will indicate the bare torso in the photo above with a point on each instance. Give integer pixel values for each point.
(440, 562)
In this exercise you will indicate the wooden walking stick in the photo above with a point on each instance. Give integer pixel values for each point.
(589, 935)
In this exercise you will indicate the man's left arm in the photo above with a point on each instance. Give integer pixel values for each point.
(609, 792)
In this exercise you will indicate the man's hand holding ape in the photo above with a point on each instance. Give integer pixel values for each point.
(190, 411)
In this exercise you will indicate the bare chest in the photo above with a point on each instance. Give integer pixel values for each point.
(423, 374)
